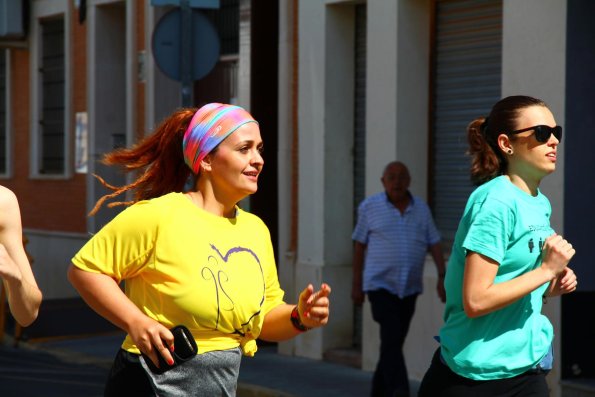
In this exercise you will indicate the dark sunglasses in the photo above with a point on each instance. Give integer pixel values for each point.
(543, 132)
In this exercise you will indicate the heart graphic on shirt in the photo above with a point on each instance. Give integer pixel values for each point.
(243, 294)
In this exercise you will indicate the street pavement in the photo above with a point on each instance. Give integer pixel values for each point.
(28, 372)
(78, 367)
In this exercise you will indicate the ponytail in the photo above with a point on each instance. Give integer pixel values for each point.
(158, 157)
(486, 163)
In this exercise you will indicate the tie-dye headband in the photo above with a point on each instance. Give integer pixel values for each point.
(209, 126)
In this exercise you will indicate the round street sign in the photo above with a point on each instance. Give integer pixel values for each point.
(166, 44)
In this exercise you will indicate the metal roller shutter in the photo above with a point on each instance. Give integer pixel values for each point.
(467, 82)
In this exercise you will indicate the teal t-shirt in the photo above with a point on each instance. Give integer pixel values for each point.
(509, 226)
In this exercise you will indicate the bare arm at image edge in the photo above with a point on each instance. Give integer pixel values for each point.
(24, 296)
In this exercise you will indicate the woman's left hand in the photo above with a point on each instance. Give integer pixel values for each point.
(313, 307)
(565, 283)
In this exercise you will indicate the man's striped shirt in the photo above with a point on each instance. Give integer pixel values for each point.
(396, 243)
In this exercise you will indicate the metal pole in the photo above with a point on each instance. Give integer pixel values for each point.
(186, 55)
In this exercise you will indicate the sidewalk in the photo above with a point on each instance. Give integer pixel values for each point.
(83, 363)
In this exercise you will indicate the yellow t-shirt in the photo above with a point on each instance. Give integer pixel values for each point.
(183, 265)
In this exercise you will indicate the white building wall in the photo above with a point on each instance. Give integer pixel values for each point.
(397, 90)
(286, 252)
(52, 253)
(381, 90)
(397, 96)
(397, 127)
(533, 63)
(325, 122)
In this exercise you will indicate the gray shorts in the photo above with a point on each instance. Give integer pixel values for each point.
(211, 374)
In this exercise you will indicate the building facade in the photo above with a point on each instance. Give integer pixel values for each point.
(340, 88)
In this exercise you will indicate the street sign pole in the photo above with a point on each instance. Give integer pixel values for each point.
(186, 66)
(185, 44)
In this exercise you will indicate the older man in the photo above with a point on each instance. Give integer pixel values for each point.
(394, 232)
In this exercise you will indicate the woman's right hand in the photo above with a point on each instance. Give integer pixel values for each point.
(152, 339)
(556, 254)
(105, 296)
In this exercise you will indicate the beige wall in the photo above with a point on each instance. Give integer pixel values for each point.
(396, 124)
(325, 176)
(397, 128)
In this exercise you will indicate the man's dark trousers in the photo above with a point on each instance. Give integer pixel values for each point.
(393, 314)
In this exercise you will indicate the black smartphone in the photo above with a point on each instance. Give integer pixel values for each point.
(185, 348)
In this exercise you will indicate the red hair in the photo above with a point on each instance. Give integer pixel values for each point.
(158, 157)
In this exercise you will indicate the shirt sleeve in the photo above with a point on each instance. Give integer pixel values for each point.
(360, 232)
(490, 224)
(123, 247)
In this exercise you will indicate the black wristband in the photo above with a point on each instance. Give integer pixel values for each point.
(296, 321)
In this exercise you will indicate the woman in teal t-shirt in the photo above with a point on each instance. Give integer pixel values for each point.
(505, 260)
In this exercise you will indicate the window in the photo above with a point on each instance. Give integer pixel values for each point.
(50, 86)
(226, 19)
(51, 131)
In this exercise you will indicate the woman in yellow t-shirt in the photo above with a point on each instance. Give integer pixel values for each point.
(190, 258)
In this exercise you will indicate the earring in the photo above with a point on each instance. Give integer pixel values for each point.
(509, 151)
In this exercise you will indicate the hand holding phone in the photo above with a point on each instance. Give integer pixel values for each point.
(185, 348)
